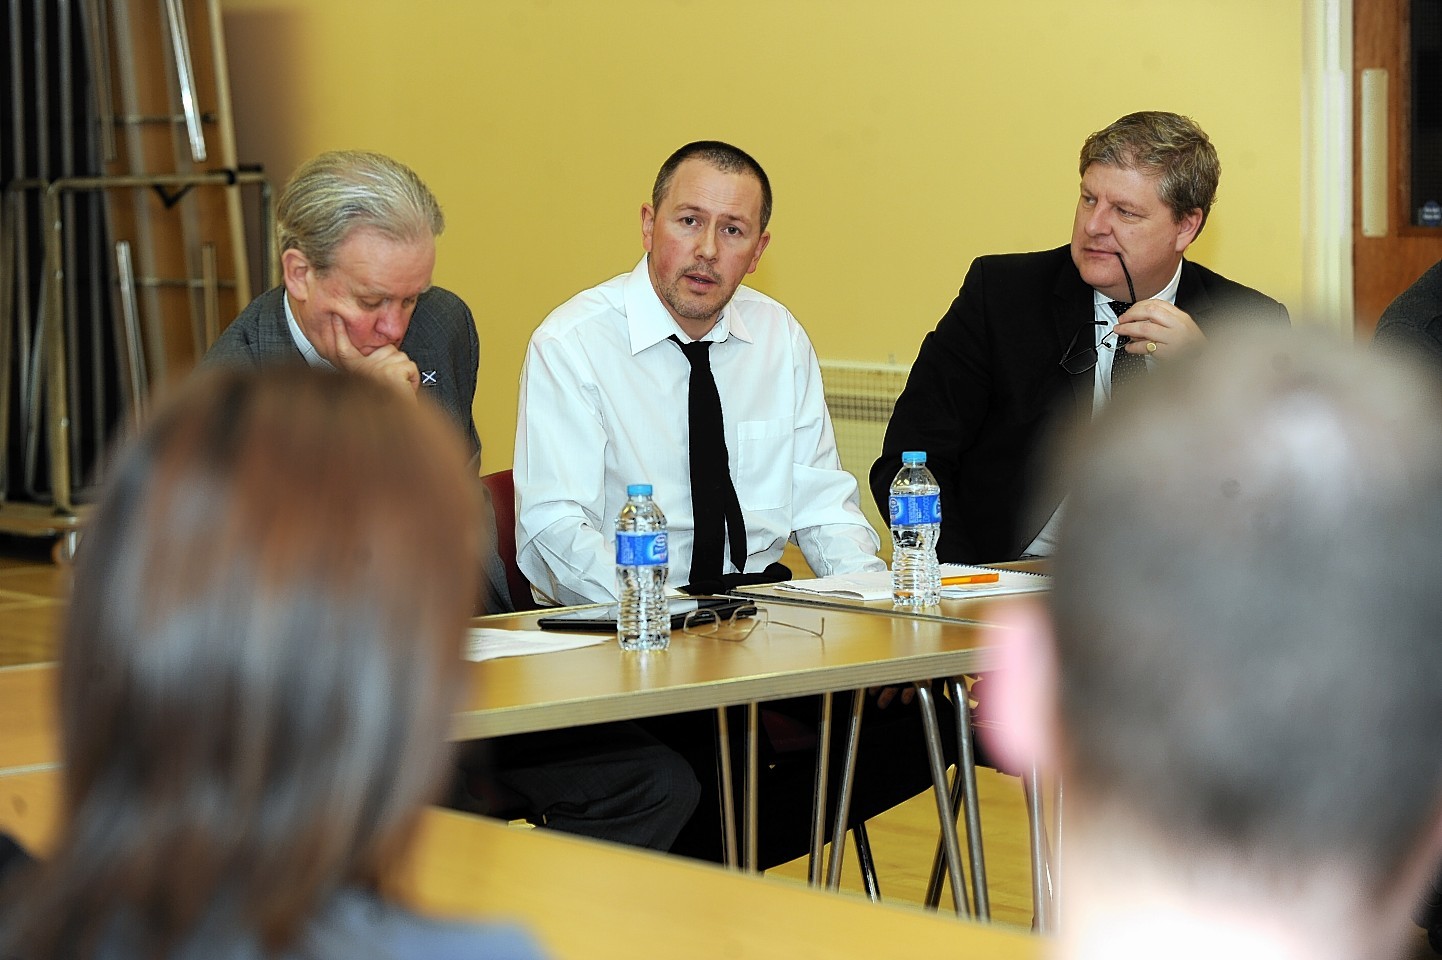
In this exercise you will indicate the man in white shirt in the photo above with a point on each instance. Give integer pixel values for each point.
(604, 399)
(609, 397)
(1236, 674)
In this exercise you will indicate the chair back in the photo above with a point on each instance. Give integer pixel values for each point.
(502, 488)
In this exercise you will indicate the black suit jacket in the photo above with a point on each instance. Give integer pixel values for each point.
(441, 341)
(987, 387)
(1413, 322)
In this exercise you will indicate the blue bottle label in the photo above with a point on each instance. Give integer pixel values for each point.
(641, 549)
(914, 511)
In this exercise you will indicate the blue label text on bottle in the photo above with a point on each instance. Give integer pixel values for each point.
(913, 511)
(641, 549)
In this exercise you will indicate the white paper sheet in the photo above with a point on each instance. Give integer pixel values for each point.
(489, 643)
(877, 586)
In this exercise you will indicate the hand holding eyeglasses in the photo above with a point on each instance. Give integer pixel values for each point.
(1158, 329)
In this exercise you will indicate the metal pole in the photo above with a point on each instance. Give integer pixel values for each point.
(818, 809)
(843, 795)
(943, 806)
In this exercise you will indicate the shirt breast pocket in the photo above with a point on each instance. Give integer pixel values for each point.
(764, 463)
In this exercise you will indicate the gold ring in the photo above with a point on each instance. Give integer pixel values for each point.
(1151, 346)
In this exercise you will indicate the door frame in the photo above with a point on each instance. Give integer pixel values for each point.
(1327, 296)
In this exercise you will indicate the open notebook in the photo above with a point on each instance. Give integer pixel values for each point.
(877, 586)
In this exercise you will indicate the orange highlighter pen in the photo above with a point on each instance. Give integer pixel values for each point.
(970, 578)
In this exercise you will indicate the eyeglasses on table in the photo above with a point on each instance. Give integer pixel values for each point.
(739, 623)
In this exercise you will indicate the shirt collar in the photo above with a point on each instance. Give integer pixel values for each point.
(649, 322)
(302, 343)
(1168, 293)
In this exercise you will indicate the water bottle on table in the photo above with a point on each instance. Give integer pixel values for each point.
(915, 504)
(644, 620)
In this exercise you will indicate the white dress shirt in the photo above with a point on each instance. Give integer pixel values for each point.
(302, 342)
(603, 404)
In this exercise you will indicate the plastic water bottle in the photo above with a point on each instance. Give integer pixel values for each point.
(915, 504)
(644, 622)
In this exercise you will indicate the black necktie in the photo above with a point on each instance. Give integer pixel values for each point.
(1126, 367)
(714, 503)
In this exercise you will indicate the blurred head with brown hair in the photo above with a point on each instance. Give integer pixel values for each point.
(259, 663)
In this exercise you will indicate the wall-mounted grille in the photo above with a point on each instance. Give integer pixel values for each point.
(860, 397)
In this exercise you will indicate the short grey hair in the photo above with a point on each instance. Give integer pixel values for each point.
(345, 190)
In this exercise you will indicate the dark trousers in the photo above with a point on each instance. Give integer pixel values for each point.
(891, 767)
(610, 781)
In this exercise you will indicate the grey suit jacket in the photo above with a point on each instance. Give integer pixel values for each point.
(442, 342)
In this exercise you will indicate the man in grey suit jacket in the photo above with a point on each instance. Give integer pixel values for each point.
(357, 237)
(1032, 339)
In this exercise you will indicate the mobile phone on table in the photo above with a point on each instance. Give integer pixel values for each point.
(603, 619)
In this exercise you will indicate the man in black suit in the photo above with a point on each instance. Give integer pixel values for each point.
(1031, 339)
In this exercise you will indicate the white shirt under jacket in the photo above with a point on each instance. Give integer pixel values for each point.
(603, 405)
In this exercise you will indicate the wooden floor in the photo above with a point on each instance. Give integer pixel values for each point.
(32, 595)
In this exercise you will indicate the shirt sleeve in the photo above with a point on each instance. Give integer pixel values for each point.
(833, 534)
(559, 471)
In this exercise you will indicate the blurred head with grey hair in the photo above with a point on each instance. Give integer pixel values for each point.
(1237, 677)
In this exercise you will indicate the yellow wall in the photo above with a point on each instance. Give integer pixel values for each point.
(902, 138)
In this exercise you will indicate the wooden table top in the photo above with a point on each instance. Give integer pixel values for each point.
(971, 610)
(603, 683)
(584, 898)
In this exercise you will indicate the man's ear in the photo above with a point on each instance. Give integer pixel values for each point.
(1017, 707)
(1187, 229)
(648, 225)
(294, 271)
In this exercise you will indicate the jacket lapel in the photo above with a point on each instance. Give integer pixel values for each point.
(1192, 296)
(1072, 311)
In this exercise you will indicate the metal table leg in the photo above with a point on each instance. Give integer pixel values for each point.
(1040, 894)
(943, 805)
(753, 764)
(728, 796)
(843, 797)
(818, 809)
(966, 775)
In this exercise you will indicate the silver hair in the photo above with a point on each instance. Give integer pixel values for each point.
(345, 190)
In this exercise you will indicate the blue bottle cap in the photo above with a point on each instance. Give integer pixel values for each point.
(638, 490)
(914, 456)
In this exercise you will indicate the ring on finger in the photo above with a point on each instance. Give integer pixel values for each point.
(1151, 346)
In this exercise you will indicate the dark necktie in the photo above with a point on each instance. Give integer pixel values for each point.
(1126, 367)
(714, 503)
